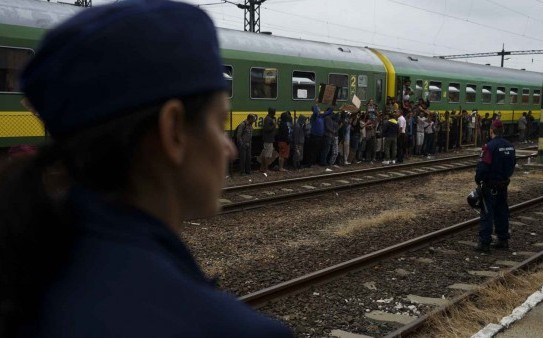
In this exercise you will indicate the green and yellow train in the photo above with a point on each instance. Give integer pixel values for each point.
(267, 71)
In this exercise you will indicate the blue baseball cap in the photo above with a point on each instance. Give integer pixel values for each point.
(110, 60)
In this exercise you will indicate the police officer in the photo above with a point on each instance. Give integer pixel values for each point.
(133, 96)
(493, 171)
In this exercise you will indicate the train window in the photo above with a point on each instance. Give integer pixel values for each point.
(12, 61)
(454, 92)
(526, 95)
(435, 91)
(513, 93)
(303, 85)
(379, 91)
(537, 96)
(418, 89)
(228, 74)
(471, 93)
(263, 83)
(362, 87)
(342, 82)
(487, 94)
(500, 95)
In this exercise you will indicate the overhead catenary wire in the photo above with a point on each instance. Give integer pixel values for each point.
(362, 30)
(392, 42)
(357, 42)
(514, 10)
(415, 7)
(466, 20)
(211, 4)
(337, 40)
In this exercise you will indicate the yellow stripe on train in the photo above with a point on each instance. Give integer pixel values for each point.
(20, 124)
(239, 116)
(507, 116)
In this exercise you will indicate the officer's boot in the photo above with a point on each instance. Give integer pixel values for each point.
(483, 248)
(501, 244)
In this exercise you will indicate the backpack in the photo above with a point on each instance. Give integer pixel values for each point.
(235, 134)
(285, 131)
(341, 131)
(290, 131)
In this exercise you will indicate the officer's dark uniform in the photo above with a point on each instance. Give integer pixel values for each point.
(130, 276)
(494, 169)
(127, 274)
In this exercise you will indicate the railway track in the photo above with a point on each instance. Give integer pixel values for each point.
(283, 297)
(250, 196)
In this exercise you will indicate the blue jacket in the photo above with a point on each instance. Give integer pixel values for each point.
(497, 161)
(129, 275)
(317, 121)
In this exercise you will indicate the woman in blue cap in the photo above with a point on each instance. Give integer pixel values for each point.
(132, 95)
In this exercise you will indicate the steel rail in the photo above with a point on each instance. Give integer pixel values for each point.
(296, 196)
(342, 173)
(296, 285)
(272, 200)
(356, 171)
(418, 324)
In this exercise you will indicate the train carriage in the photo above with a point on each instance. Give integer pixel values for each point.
(452, 85)
(267, 71)
(22, 24)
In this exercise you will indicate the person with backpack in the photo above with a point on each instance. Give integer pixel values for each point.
(268, 136)
(244, 137)
(330, 140)
(370, 141)
(390, 135)
(284, 138)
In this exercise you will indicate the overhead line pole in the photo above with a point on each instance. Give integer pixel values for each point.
(502, 53)
(252, 15)
(251, 10)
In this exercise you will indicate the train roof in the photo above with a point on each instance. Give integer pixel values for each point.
(33, 13)
(282, 46)
(410, 64)
(42, 14)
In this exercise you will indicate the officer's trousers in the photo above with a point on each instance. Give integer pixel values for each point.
(496, 213)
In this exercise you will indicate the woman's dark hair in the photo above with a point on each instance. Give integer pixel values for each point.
(36, 220)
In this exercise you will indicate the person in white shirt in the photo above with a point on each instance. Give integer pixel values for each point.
(421, 124)
(402, 139)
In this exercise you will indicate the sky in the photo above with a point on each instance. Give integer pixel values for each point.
(423, 27)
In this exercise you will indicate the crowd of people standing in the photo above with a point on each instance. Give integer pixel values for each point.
(332, 138)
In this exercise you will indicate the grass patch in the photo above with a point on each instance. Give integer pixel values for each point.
(491, 305)
(385, 217)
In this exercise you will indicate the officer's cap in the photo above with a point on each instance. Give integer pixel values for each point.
(109, 60)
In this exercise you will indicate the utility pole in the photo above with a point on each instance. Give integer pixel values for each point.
(503, 53)
(252, 15)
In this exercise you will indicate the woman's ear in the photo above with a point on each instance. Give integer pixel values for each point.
(172, 130)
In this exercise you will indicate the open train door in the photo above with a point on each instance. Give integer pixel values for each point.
(403, 87)
(380, 91)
